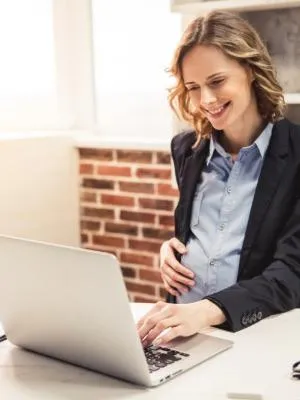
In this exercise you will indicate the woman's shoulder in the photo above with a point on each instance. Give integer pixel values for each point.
(183, 141)
(286, 138)
(286, 125)
(295, 130)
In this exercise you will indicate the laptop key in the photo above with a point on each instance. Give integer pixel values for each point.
(160, 357)
(184, 354)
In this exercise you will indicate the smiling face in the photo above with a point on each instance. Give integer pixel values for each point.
(219, 87)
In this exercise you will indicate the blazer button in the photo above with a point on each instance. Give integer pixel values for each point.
(259, 315)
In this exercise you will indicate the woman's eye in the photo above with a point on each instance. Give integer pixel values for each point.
(216, 83)
(189, 89)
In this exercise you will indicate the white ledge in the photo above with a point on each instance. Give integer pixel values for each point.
(95, 141)
(200, 7)
(86, 139)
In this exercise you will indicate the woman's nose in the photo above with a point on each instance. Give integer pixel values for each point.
(207, 97)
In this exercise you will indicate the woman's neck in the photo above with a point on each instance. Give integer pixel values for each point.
(242, 134)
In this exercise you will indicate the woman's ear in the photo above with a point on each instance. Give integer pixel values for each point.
(250, 73)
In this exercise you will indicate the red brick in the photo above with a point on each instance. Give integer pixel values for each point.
(84, 238)
(166, 189)
(96, 154)
(156, 204)
(136, 258)
(121, 228)
(137, 216)
(98, 212)
(144, 245)
(97, 183)
(143, 299)
(163, 157)
(88, 197)
(162, 293)
(113, 170)
(86, 168)
(150, 275)
(90, 225)
(162, 234)
(140, 288)
(154, 173)
(128, 272)
(136, 187)
(134, 156)
(167, 220)
(117, 200)
(108, 241)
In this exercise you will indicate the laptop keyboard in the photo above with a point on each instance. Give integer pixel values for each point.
(160, 357)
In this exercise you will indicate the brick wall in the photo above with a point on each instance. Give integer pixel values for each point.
(127, 204)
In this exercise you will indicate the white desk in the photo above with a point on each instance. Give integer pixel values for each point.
(260, 362)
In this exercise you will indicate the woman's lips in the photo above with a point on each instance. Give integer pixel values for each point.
(217, 112)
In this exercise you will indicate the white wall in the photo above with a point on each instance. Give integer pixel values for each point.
(39, 196)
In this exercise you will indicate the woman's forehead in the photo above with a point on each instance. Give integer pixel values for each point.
(205, 62)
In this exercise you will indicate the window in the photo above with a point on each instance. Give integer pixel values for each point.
(133, 45)
(27, 67)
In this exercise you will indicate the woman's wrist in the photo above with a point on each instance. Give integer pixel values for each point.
(215, 316)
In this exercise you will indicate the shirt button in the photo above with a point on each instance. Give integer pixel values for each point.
(221, 227)
(212, 262)
(228, 190)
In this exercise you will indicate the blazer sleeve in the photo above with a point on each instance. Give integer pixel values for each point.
(276, 290)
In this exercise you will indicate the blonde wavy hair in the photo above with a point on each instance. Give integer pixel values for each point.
(238, 40)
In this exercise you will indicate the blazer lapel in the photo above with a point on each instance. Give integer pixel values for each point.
(268, 182)
(190, 177)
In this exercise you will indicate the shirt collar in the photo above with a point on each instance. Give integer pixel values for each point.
(261, 143)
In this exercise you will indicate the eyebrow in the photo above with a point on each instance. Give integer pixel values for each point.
(209, 77)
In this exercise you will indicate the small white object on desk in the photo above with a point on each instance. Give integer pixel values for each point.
(244, 396)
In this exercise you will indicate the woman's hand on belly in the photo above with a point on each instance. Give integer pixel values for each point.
(177, 278)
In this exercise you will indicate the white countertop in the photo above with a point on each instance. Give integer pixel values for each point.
(259, 362)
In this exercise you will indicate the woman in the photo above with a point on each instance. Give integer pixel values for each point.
(235, 257)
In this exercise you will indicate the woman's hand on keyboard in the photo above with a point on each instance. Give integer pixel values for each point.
(177, 278)
(165, 322)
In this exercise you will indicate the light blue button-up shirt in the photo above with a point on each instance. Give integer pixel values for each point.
(220, 213)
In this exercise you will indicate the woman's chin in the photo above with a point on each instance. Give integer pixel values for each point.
(219, 126)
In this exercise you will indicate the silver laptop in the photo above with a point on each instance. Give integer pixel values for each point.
(71, 304)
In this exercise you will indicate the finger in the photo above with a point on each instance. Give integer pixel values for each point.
(170, 334)
(177, 245)
(151, 321)
(176, 276)
(158, 306)
(176, 285)
(170, 289)
(161, 326)
(175, 264)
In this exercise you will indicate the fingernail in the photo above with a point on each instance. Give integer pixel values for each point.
(157, 342)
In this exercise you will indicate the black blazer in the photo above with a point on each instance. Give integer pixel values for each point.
(269, 270)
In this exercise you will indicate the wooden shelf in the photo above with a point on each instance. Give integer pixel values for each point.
(202, 7)
(292, 98)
